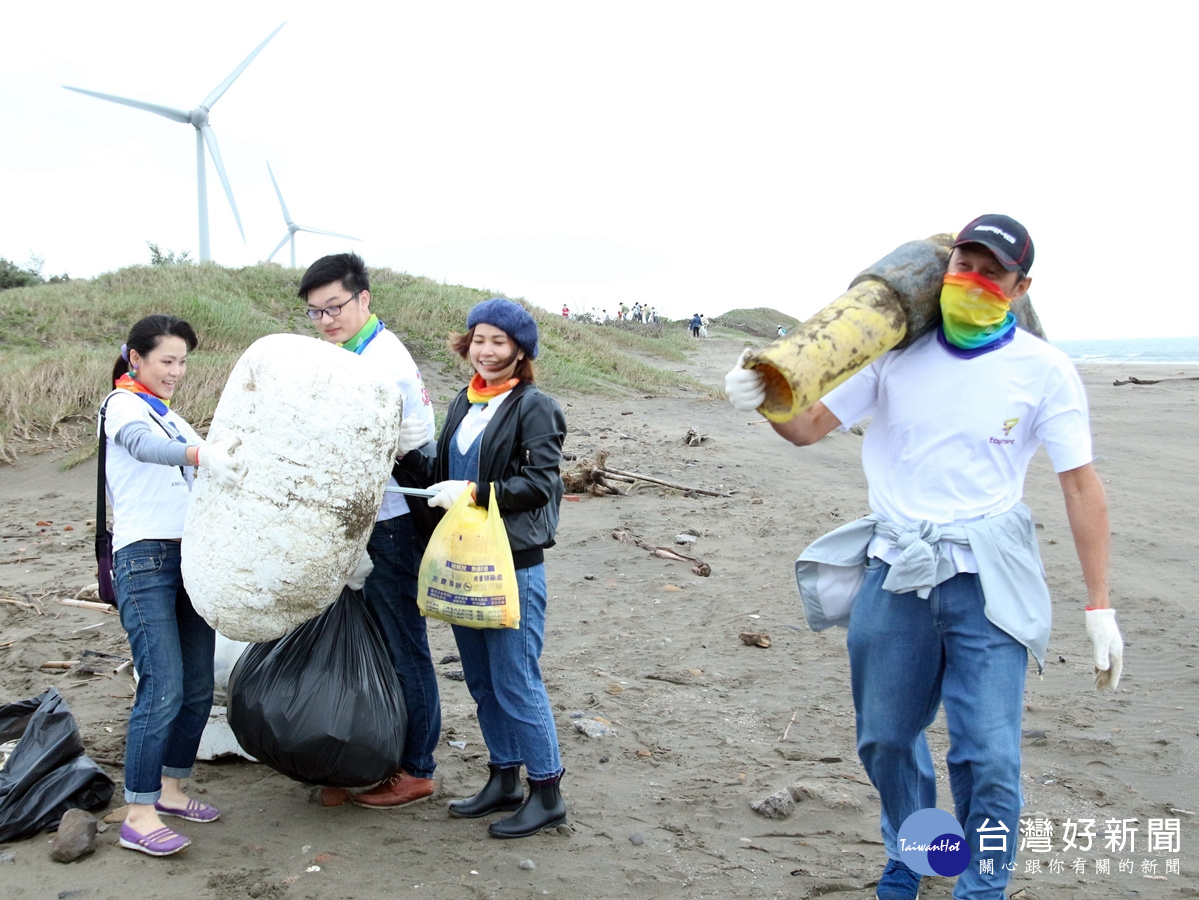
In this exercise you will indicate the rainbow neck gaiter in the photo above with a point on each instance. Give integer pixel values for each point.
(365, 335)
(975, 314)
(128, 383)
(478, 390)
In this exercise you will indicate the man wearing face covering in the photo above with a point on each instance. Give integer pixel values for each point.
(943, 581)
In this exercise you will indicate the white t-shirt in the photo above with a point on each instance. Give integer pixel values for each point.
(951, 438)
(149, 501)
(396, 364)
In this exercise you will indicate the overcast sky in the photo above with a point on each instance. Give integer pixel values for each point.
(696, 156)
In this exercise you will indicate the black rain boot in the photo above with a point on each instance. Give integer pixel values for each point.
(502, 792)
(543, 808)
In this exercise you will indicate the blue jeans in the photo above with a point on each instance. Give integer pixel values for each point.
(172, 651)
(909, 656)
(390, 594)
(504, 676)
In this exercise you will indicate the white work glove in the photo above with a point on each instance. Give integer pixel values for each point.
(746, 389)
(1109, 647)
(414, 433)
(217, 458)
(448, 492)
(358, 577)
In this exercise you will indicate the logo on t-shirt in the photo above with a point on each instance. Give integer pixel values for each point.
(1008, 425)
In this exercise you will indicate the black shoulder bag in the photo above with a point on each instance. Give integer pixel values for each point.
(107, 590)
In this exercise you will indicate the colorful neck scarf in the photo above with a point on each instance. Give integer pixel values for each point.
(365, 335)
(975, 314)
(478, 391)
(128, 383)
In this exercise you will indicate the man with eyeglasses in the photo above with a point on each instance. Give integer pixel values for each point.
(337, 292)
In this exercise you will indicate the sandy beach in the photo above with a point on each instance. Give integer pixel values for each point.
(702, 724)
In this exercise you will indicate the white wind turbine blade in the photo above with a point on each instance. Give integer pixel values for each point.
(176, 115)
(286, 238)
(215, 152)
(213, 97)
(279, 194)
(329, 233)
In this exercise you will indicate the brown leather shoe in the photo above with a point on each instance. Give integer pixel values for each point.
(400, 789)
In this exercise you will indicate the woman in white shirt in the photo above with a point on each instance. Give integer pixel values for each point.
(151, 459)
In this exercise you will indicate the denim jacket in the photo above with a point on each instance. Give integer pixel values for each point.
(829, 572)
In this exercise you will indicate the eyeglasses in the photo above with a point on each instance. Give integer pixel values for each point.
(333, 311)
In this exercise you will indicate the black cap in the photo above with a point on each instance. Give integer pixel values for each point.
(1003, 236)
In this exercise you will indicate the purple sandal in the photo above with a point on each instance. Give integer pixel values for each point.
(161, 842)
(195, 811)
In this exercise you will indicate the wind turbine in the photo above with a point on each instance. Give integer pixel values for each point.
(198, 119)
(292, 227)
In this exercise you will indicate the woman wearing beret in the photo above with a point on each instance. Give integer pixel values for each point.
(502, 441)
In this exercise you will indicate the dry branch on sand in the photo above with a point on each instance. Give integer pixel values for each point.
(700, 567)
(1132, 379)
(593, 477)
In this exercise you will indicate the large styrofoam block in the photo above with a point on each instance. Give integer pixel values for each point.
(319, 430)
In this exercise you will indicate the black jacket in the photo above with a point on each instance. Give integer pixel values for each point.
(518, 466)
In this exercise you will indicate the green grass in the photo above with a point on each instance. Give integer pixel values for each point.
(58, 342)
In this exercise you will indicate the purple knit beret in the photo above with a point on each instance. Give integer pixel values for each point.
(511, 318)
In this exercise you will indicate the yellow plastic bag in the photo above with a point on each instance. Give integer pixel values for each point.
(466, 575)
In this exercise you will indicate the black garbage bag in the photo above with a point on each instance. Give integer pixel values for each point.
(322, 704)
(48, 772)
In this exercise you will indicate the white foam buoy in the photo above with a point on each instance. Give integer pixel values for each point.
(319, 431)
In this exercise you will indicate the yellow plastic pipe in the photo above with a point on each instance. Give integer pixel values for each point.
(843, 338)
(888, 305)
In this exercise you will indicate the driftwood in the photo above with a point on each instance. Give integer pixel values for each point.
(700, 567)
(60, 664)
(670, 484)
(1132, 379)
(17, 603)
(587, 477)
(595, 476)
(88, 604)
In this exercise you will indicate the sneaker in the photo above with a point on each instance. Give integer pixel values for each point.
(898, 882)
(399, 790)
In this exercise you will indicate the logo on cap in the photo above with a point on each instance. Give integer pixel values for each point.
(999, 231)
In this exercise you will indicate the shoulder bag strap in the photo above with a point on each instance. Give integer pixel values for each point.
(101, 498)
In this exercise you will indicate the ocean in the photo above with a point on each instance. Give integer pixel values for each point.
(1173, 351)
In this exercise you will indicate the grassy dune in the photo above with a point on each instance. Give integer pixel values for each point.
(760, 321)
(58, 341)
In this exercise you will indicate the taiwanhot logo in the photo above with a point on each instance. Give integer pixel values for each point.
(932, 842)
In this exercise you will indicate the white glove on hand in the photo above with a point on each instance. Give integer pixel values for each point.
(448, 492)
(1109, 647)
(414, 433)
(217, 458)
(358, 577)
(746, 389)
